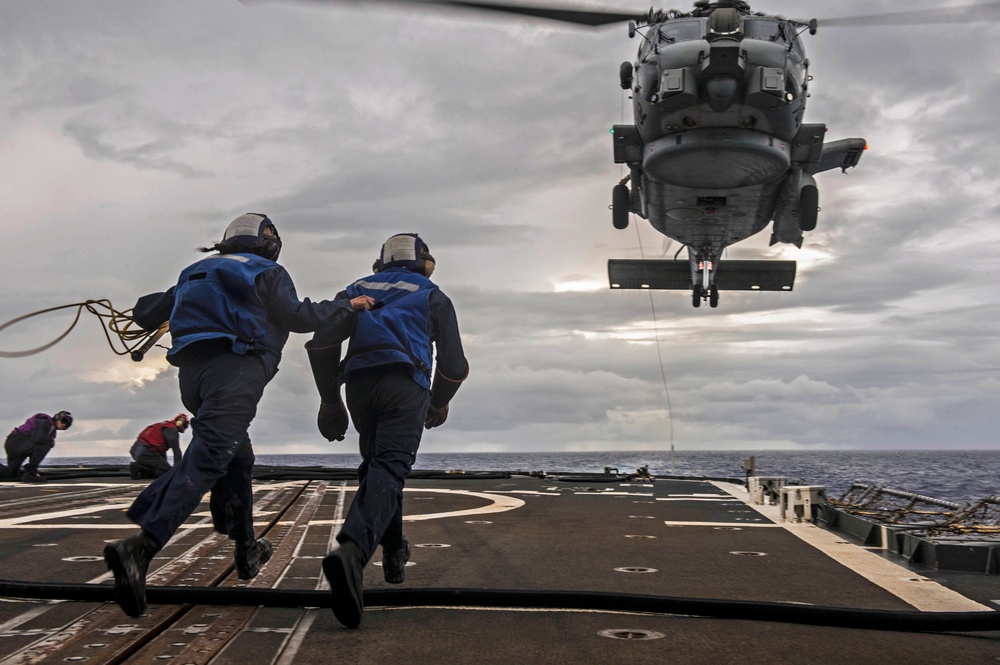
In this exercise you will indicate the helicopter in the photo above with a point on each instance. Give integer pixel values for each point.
(719, 150)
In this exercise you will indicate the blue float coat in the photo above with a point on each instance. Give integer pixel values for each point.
(397, 329)
(275, 299)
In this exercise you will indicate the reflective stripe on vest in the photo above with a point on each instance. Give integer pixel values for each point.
(397, 330)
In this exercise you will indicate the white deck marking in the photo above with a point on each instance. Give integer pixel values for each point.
(726, 524)
(922, 593)
(611, 493)
(695, 498)
(498, 504)
(27, 519)
(25, 617)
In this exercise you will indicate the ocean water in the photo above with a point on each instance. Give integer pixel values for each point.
(952, 475)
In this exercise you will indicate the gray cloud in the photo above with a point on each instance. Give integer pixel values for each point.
(134, 133)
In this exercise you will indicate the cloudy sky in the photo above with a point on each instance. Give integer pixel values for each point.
(131, 133)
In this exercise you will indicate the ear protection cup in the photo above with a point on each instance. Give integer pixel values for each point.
(270, 249)
(270, 244)
(425, 256)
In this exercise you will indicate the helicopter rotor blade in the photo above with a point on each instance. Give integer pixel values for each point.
(591, 17)
(989, 11)
(594, 17)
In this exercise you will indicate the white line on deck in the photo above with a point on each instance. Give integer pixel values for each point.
(922, 593)
(739, 524)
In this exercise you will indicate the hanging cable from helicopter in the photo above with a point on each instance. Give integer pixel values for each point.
(133, 340)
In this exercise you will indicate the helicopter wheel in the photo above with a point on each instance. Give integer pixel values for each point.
(620, 206)
(808, 207)
(696, 296)
(713, 296)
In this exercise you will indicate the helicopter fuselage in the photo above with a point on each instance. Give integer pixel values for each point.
(718, 150)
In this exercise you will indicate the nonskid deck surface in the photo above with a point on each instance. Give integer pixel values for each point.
(679, 538)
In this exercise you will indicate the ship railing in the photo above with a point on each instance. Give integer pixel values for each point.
(891, 506)
(981, 518)
(933, 517)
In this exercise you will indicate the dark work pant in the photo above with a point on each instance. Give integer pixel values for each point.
(222, 390)
(20, 448)
(388, 409)
(154, 462)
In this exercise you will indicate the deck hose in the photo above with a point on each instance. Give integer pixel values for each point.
(814, 615)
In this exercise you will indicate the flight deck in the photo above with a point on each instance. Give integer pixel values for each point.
(506, 568)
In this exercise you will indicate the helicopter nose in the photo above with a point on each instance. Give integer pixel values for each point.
(721, 92)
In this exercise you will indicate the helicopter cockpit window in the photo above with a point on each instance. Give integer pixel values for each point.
(680, 31)
(772, 30)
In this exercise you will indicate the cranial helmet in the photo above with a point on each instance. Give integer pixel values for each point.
(405, 250)
(252, 232)
(65, 417)
(183, 420)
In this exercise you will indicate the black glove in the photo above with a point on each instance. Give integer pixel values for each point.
(333, 420)
(435, 416)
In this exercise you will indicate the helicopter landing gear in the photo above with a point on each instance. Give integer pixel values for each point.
(808, 207)
(698, 294)
(620, 201)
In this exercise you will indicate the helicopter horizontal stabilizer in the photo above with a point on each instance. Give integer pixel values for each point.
(731, 275)
(842, 154)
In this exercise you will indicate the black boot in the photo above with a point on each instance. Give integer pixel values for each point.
(394, 564)
(129, 560)
(138, 471)
(30, 475)
(250, 556)
(344, 570)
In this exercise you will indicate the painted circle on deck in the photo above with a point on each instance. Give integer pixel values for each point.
(494, 503)
(498, 503)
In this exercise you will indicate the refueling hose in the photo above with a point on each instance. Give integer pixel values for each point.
(814, 615)
(135, 342)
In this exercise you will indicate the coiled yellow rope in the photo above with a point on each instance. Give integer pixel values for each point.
(134, 341)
